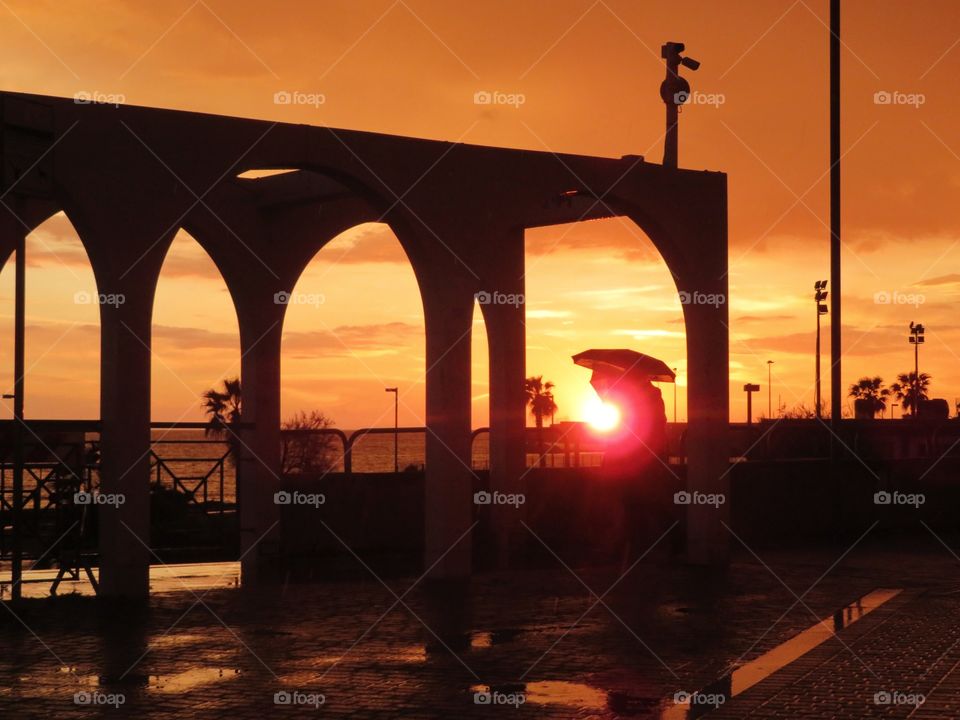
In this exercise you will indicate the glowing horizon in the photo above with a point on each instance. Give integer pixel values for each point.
(592, 284)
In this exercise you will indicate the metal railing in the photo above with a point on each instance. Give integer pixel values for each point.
(191, 475)
(559, 450)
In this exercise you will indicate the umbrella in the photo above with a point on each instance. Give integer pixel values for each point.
(612, 364)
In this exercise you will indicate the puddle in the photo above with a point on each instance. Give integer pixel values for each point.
(481, 640)
(409, 654)
(748, 675)
(175, 640)
(756, 670)
(190, 679)
(403, 655)
(586, 697)
(163, 578)
(574, 695)
(561, 692)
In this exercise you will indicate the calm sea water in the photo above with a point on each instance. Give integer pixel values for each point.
(191, 456)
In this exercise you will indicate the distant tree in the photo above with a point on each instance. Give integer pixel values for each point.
(540, 399)
(223, 414)
(869, 391)
(907, 390)
(303, 450)
(799, 412)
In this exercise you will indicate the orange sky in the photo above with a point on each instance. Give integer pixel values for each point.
(589, 72)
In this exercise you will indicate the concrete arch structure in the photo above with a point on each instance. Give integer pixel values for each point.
(130, 177)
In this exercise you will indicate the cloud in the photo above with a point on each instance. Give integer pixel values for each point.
(340, 341)
(347, 340)
(618, 236)
(763, 318)
(949, 279)
(547, 314)
(366, 243)
(183, 338)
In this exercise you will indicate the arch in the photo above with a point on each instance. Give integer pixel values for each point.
(369, 259)
(480, 387)
(386, 208)
(62, 347)
(190, 332)
(625, 285)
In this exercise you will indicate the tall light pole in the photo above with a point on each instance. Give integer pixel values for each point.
(916, 339)
(819, 295)
(396, 427)
(769, 389)
(19, 311)
(836, 325)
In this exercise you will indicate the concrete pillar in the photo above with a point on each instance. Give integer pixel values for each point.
(506, 338)
(698, 259)
(448, 315)
(258, 469)
(125, 323)
(708, 445)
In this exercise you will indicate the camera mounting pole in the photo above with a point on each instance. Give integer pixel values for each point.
(674, 91)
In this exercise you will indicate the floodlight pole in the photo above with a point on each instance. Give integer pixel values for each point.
(916, 337)
(16, 571)
(816, 399)
(835, 275)
(819, 295)
(916, 377)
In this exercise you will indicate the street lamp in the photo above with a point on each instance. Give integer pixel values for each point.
(892, 406)
(819, 295)
(769, 390)
(916, 339)
(396, 427)
(674, 396)
(750, 389)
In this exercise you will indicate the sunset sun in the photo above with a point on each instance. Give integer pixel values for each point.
(601, 415)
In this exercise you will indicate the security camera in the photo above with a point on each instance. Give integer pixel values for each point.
(671, 48)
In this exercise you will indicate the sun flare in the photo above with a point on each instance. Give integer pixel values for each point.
(601, 415)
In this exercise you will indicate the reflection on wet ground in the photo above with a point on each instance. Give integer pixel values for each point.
(749, 674)
(561, 692)
(768, 663)
(681, 706)
(190, 679)
(347, 641)
(163, 579)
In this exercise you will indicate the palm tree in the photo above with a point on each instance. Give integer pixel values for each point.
(907, 387)
(223, 408)
(540, 398)
(869, 393)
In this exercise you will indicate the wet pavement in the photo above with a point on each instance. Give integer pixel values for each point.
(868, 636)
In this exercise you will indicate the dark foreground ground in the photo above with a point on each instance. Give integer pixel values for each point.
(569, 642)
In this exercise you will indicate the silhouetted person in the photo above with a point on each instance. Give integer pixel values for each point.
(641, 439)
(636, 458)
